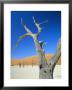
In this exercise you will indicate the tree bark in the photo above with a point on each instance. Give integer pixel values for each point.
(47, 71)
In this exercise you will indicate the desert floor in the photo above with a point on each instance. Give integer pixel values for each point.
(31, 72)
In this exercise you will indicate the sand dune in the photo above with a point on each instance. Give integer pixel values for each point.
(31, 60)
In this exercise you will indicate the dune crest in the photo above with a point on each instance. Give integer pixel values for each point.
(33, 60)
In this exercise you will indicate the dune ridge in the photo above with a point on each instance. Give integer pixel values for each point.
(33, 60)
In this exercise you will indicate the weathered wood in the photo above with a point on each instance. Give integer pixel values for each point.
(47, 71)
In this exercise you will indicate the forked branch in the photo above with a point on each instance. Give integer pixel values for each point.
(29, 33)
(38, 24)
(25, 27)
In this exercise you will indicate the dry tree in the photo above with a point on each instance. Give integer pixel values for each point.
(45, 68)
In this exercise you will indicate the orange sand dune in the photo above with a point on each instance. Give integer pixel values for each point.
(30, 60)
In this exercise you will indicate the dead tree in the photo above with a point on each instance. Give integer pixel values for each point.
(46, 68)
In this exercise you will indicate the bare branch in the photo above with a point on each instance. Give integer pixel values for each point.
(22, 37)
(42, 44)
(25, 27)
(29, 33)
(58, 45)
(37, 25)
(57, 55)
(43, 22)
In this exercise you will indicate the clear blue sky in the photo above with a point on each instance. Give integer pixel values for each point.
(50, 34)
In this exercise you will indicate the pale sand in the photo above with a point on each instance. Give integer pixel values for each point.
(29, 72)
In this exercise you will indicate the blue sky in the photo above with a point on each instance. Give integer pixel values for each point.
(50, 34)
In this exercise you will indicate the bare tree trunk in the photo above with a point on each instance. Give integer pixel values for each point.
(40, 53)
(47, 71)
